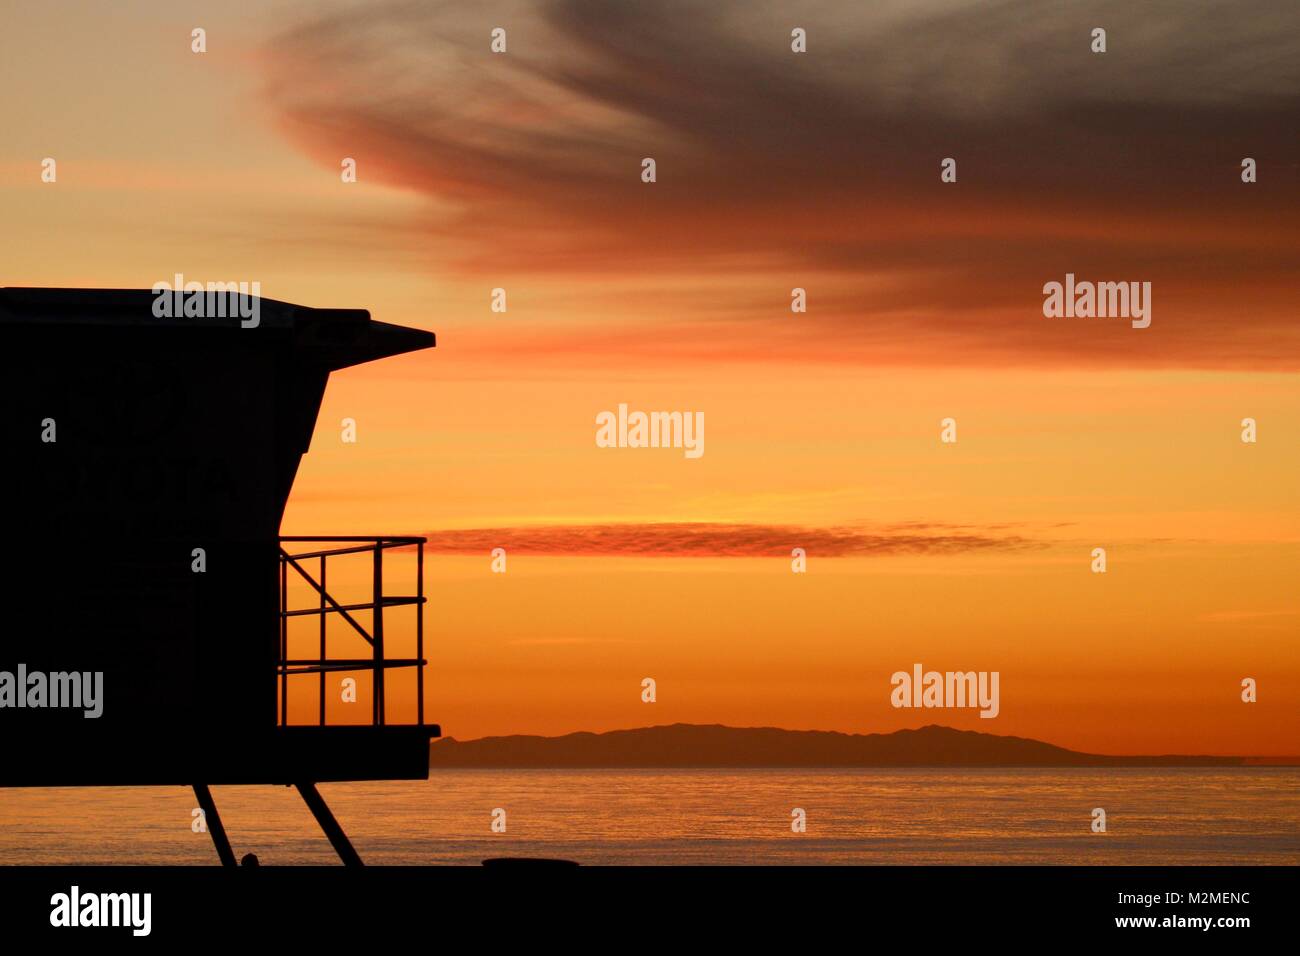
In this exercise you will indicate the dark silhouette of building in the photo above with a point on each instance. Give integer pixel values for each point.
(133, 445)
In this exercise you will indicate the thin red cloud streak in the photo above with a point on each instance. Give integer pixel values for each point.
(717, 540)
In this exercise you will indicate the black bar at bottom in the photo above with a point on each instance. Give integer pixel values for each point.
(727, 909)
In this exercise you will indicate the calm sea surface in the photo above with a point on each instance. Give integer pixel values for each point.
(694, 816)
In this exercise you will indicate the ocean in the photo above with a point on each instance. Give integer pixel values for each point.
(1005, 816)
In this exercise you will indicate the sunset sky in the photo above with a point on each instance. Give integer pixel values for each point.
(775, 170)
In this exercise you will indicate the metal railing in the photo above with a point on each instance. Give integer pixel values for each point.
(377, 663)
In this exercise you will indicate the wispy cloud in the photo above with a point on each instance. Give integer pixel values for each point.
(716, 540)
(822, 169)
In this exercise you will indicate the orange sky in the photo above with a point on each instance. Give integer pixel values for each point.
(820, 171)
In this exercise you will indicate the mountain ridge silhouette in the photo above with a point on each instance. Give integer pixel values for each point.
(682, 745)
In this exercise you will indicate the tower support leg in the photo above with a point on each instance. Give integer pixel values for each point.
(212, 820)
(316, 804)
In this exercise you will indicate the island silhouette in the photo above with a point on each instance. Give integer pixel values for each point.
(718, 746)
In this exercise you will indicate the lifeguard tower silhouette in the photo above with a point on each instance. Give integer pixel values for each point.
(147, 463)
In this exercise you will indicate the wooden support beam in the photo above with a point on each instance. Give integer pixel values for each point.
(316, 804)
(212, 820)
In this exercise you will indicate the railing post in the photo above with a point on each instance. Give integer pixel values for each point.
(378, 690)
(322, 640)
(284, 640)
(419, 634)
